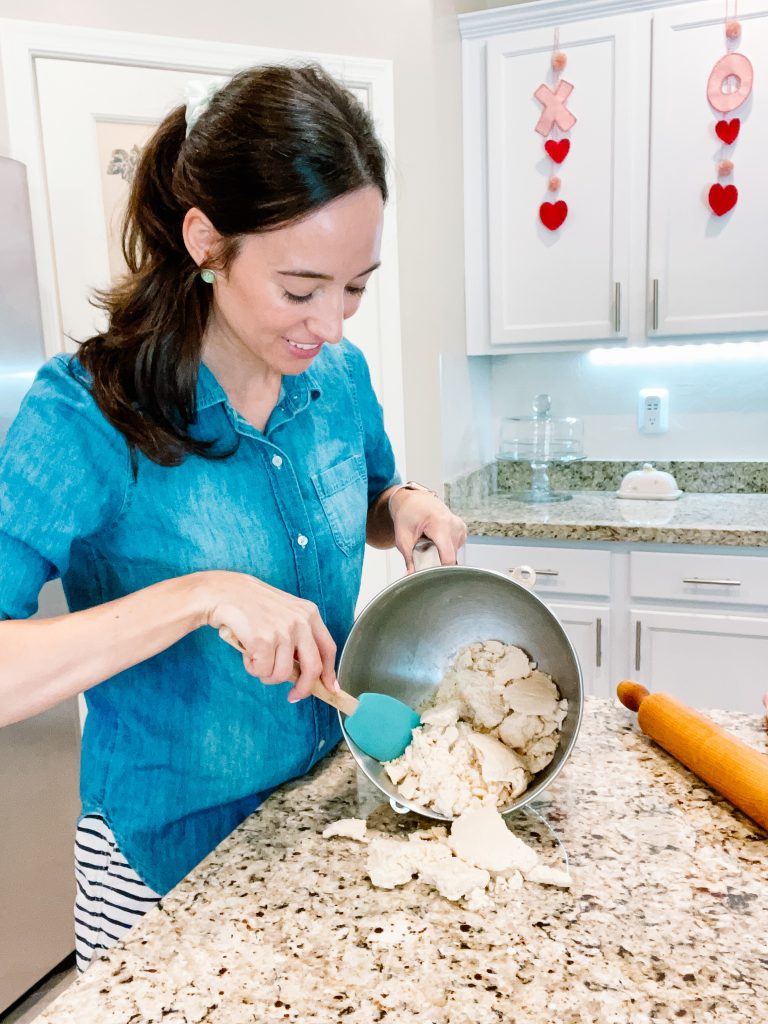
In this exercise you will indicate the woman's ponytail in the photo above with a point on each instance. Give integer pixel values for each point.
(154, 215)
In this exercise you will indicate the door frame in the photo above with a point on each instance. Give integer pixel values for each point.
(22, 42)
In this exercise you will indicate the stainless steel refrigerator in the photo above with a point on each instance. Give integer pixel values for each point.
(38, 758)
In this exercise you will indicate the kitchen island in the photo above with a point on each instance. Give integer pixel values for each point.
(666, 918)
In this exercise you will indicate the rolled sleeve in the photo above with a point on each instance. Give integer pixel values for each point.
(64, 472)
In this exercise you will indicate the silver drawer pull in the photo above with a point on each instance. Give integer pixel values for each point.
(712, 583)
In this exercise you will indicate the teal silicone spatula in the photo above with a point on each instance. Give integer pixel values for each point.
(380, 725)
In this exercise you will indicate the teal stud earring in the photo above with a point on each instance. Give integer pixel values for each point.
(208, 276)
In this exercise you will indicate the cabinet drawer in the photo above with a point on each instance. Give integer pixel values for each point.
(558, 570)
(726, 579)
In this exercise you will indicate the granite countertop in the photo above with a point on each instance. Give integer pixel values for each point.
(732, 520)
(666, 919)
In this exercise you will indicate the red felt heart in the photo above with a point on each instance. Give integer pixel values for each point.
(728, 131)
(558, 150)
(722, 199)
(553, 214)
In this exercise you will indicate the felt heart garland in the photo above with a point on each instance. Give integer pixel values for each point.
(558, 149)
(728, 131)
(555, 115)
(728, 87)
(723, 198)
(553, 214)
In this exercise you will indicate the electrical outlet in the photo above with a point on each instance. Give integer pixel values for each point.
(653, 411)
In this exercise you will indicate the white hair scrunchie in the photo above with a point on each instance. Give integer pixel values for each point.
(198, 94)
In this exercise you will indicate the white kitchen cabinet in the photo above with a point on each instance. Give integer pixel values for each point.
(641, 254)
(707, 273)
(564, 576)
(690, 621)
(570, 283)
(558, 570)
(705, 660)
(731, 580)
(588, 629)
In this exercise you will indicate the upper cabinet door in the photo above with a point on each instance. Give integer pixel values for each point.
(708, 274)
(568, 284)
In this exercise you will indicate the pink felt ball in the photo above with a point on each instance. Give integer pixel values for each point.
(554, 184)
(724, 168)
(559, 60)
(733, 29)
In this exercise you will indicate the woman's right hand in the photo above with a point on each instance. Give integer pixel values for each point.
(276, 629)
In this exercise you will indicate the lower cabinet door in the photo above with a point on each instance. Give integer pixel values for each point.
(706, 661)
(587, 627)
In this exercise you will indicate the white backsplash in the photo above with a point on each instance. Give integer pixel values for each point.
(718, 409)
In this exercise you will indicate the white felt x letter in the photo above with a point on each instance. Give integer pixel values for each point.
(555, 111)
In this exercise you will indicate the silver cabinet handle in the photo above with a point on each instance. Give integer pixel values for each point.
(541, 572)
(638, 630)
(655, 311)
(617, 307)
(598, 642)
(712, 583)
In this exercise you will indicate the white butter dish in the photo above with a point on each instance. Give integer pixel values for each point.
(649, 484)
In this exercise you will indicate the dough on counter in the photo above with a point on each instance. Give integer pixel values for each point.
(347, 828)
(480, 861)
(390, 862)
(546, 875)
(481, 837)
(493, 724)
(453, 878)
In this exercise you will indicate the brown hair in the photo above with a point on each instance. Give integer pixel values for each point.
(275, 144)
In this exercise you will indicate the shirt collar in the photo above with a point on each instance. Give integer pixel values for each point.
(295, 392)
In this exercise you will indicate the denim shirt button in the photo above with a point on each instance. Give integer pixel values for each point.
(302, 541)
(277, 461)
(321, 744)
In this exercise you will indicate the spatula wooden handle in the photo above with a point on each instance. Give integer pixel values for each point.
(342, 701)
(729, 766)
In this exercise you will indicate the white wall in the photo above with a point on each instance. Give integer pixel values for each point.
(421, 37)
(718, 405)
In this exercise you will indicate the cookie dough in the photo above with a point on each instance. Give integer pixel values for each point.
(494, 723)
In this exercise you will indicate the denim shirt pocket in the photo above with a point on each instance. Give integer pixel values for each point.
(343, 493)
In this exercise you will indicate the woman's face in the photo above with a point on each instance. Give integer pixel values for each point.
(288, 291)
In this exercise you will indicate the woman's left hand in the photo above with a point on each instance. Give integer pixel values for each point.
(417, 514)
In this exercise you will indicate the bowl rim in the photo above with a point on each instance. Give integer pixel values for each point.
(401, 805)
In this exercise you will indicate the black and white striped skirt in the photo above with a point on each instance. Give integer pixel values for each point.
(110, 897)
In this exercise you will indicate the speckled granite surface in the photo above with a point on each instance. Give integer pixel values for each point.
(594, 475)
(666, 921)
(731, 520)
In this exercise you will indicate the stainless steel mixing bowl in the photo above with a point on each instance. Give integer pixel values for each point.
(404, 640)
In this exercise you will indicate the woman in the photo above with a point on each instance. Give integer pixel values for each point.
(216, 458)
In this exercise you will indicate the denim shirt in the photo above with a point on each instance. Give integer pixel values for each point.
(179, 749)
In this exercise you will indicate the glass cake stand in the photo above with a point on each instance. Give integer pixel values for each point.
(540, 440)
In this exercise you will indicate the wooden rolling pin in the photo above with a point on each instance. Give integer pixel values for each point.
(729, 766)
